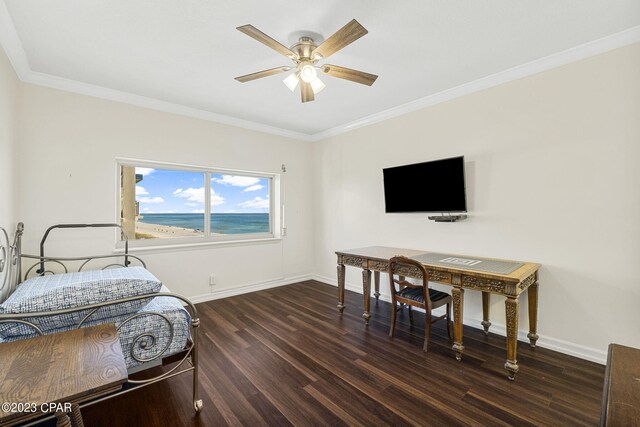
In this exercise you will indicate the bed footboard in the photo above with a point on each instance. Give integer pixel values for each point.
(151, 340)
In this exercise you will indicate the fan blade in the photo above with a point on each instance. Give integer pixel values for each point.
(261, 74)
(306, 91)
(255, 33)
(349, 74)
(341, 38)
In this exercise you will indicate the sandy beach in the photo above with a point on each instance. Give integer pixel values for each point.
(152, 231)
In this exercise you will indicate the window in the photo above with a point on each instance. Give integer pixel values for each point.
(177, 204)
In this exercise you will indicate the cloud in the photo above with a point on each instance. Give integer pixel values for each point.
(196, 195)
(195, 211)
(140, 191)
(150, 200)
(191, 204)
(144, 171)
(191, 194)
(216, 199)
(237, 181)
(254, 188)
(255, 203)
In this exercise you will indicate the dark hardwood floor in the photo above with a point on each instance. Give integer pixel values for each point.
(285, 356)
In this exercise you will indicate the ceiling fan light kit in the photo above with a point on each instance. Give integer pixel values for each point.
(291, 81)
(306, 54)
(308, 73)
(317, 85)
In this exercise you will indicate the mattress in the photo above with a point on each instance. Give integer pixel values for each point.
(159, 329)
(76, 289)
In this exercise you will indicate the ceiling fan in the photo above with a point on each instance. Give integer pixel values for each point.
(306, 54)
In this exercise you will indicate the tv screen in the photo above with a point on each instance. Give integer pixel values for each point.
(436, 186)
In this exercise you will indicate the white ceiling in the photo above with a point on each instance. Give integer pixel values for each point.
(187, 52)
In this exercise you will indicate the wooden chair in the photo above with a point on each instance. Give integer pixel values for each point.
(413, 295)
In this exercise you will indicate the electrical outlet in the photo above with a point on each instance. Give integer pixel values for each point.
(212, 280)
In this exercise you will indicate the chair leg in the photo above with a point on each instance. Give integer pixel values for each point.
(393, 318)
(449, 328)
(427, 330)
(410, 316)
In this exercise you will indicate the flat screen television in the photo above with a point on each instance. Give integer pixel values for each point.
(436, 186)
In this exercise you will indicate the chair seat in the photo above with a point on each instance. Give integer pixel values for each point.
(416, 294)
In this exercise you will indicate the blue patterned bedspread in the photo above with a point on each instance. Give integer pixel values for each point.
(161, 327)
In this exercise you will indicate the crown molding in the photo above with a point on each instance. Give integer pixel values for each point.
(68, 85)
(577, 53)
(13, 47)
(11, 43)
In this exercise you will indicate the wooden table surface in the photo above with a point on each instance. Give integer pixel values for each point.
(384, 253)
(72, 366)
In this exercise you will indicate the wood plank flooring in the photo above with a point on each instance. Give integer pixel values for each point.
(285, 356)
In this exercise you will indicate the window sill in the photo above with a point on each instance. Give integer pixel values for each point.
(198, 245)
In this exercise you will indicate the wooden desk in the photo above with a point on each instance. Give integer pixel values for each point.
(376, 259)
(621, 397)
(68, 367)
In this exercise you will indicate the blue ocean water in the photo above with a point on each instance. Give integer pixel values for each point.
(223, 223)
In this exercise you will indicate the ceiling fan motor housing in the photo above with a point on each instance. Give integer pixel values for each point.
(304, 48)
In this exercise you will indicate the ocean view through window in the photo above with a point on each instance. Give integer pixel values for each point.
(182, 204)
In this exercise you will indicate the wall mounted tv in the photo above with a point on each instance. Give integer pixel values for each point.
(436, 186)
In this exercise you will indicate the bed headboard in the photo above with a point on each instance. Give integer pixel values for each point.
(44, 259)
(10, 268)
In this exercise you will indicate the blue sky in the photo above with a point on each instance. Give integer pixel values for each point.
(170, 191)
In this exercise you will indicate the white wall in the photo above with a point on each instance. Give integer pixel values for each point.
(8, 105)
(67, 173)
(552, 177)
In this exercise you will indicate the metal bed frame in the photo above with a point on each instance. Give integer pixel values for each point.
(11, 260)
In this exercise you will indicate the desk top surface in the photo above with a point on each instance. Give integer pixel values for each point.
(383, 253)
(64, 367)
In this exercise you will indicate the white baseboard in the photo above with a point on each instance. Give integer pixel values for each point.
(556, 344)
(247, 288)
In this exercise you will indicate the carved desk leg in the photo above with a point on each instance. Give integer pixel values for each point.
(533, 314)
(76, 416)
(341, 269)
(485, 312)
(376, 279)
(458, 305)
(511, 307)
(62, 419)
(366, 293)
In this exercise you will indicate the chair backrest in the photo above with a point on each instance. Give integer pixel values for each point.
(403, 266)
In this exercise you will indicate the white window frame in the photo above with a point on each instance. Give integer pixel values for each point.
(275, 208)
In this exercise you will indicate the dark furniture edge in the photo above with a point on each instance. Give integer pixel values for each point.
(605, 391)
